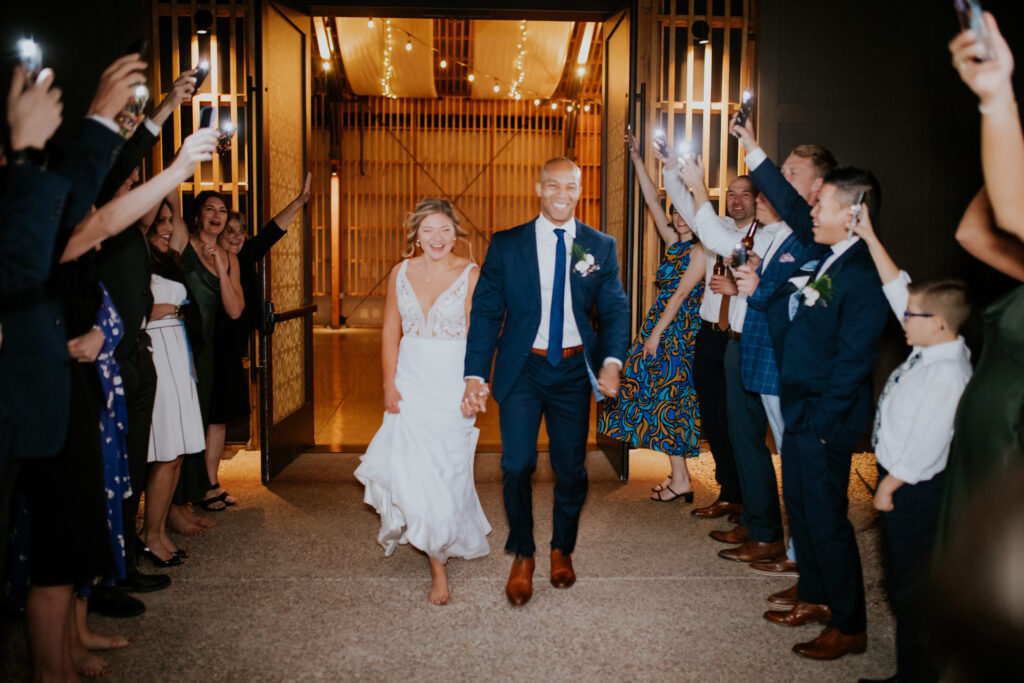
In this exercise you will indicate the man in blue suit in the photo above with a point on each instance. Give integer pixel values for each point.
(826, 319)
(540, 286)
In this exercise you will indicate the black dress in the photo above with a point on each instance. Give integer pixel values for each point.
(230, 397)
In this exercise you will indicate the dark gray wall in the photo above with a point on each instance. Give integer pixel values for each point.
(873, 81)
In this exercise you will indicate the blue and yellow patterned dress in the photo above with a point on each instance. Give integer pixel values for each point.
(657, 405)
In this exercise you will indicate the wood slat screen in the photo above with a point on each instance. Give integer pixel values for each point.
(483, 155)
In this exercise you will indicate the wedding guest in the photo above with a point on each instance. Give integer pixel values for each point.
(826, 321)
(229, 400)
(989, 432)
(911, 435)
(657, 408)
(418, 469)
(759, 531)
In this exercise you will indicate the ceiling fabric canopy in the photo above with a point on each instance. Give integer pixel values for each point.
(364, 53)
(533, 70)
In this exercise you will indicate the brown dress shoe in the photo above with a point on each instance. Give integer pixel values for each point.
(833, 644)
(519, 588)
(751, 551)
(776, 566)
(562, 575)
(719, 508)
(738, 534)
(800, 614)
(786, 598)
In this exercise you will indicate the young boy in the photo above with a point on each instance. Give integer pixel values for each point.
(912, 432)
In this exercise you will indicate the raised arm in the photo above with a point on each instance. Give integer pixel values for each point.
(390, 337)
(179, 238)
(987, 243)
(287, 215)
(119, 213)
(650, 192)
(694, 274)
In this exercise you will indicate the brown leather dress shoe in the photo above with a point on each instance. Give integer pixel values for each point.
(776, 566)
(519, 588)
(833, 644)
(562, 575)
(800, 614)
(751, 551)
(786, 598)
(719, 508)
(738, 534)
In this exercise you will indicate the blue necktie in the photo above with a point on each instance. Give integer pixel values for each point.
(557, 301)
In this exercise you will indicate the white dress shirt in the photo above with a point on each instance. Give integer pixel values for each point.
(720, 235)
(546, 242)
(916, 416)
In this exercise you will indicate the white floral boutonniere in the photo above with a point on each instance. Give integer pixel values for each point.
(583, 261)
(819, 290)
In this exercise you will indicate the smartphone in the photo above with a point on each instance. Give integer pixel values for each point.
(970, 14)
(746, 105)
(740, 256)
(30, 57)
(138, 47)
(857, 207)
(206, 117)
(661, 143)
(202, 71)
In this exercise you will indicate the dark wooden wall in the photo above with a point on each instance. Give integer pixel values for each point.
(873, 81)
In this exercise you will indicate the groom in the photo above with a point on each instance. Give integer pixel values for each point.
(539, 288)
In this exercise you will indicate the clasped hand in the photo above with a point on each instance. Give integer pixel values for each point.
(474, 398)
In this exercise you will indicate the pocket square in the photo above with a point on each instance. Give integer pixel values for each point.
(786, 258)
(810, 266)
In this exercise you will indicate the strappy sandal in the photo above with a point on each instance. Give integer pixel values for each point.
(659, 488)
(688, 496)
(223, 497)
(209, 503)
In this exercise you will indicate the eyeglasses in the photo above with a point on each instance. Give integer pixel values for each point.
(907, 315)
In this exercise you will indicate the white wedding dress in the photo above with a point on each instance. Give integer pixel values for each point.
(418, 469)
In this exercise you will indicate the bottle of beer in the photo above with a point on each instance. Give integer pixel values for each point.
(719, 268)
(741, 252)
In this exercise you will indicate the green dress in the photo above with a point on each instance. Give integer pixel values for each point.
(988, 438)
(204, 286)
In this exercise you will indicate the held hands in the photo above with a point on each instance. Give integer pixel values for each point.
(474, 398)
(989, 80)
(746, 279)
(391, 399)
(33, 112)
(85, 348)
(651, 345)
(115, 87)
(609, 379)
(744, 133)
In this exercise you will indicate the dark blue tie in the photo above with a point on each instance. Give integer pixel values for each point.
(557, 301)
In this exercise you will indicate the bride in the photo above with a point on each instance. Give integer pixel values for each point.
(418, 469)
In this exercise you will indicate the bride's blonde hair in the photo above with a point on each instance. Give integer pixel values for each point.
(427, 207)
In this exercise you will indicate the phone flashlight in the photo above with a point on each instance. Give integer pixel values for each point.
(857, 207)
(140, 96)
(202, 71)
(30, 56)
(746, 105)
(660, 142)
(970, 14)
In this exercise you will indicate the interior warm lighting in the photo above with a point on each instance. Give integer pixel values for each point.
(321, 37)
(471, 78)
(536, 103)
(497, 88)
(327, 65)
(335, 245)
(569, 108)
(369, 23)
(588, 37)
(586, 107)
(444, 64)
(580, 70)
(408, 45)
(554, 105)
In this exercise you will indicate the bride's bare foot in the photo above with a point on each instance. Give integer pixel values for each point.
(180, 523)
(94, 641)
(197, 519)
(88, 664)
(439, 593)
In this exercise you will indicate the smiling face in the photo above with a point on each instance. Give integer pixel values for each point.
(213, 216)
(802, 174)
(232, 239)
(436, 236)
(739, 200)
(161, 230)
(680, 225)
(830, 215)
(559, 191)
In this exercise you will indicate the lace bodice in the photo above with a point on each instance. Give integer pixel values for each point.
(446, 319)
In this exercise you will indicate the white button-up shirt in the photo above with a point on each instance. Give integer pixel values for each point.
(546, 241)
(916, 416)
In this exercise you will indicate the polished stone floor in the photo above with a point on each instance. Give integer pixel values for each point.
(349, 395)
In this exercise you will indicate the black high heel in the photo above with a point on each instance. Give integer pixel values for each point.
(687, 496)
(179, 553)
(144, 551)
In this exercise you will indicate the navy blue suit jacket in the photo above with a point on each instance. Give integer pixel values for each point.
(34, 381)
(787, 201)
(827, 352)
(33, 203)
(506, 307)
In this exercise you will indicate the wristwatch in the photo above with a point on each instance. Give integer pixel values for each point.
(177, 311)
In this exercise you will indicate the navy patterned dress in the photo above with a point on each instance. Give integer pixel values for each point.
(657, 405)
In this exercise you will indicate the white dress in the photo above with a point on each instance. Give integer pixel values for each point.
(418, 469)
(177, 426)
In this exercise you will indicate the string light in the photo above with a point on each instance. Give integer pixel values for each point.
(586, 107)
(581, 70)
(554, 105)
(444, 64)
(471, 78)
(536, 103)
(514, 92)
(569, 108)
(497, 88)
(408, 45)
(370, 23)
(388, 69)
(327, 65)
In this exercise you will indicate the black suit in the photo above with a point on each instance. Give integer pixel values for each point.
(826, 355)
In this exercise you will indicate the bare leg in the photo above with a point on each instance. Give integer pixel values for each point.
(439, 593)
(180, 519)
(163, 476)
(91, 640)
(215, 434)
(680, 474)
(46, 616)
(86, 663)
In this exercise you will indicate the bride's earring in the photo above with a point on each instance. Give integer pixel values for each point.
(418, 244)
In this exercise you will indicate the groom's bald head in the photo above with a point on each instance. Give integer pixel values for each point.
(557, 164)
(559, 189)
